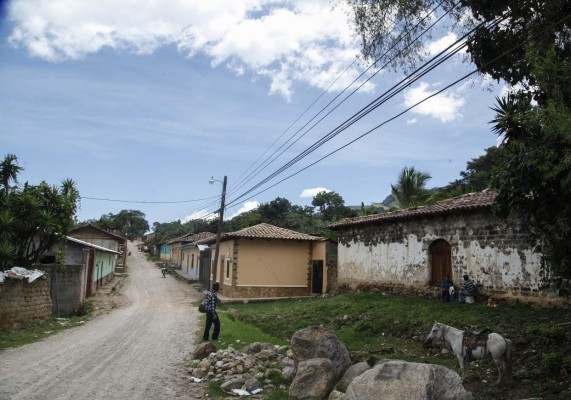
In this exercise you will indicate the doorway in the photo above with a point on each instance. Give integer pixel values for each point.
(317, 277)
(441, 261)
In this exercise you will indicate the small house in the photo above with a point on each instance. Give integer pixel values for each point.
(265, 261)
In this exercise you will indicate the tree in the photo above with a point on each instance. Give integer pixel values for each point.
(410, 190)
(34, 218)
(275, 211)
(534, 182)
(331, 206)
(9, 170)
(530, 50)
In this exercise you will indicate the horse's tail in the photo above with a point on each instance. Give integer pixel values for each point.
(508, 358)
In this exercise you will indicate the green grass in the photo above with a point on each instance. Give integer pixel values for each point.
(374, 326)
(238, 333)
(34, 331)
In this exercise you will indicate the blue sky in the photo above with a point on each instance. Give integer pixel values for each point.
(144, 103)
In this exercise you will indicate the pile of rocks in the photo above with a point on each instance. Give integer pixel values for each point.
(317, 367)
(254, 367)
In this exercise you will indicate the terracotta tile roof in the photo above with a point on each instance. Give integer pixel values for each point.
(469, 201)
(264, 231)
(192, 237)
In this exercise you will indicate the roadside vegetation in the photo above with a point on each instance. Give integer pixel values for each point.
(376, 326)
(37, 330)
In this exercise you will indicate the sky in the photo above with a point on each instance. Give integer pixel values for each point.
(142, 102)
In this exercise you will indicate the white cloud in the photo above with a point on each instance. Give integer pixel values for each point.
(248, 206)
(412, 121)
(285, 40)
(200, 214)
(441, 44)
(444, 106)
(310, 193)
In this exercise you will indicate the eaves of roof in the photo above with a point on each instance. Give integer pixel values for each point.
(263, 231)
(470, 201)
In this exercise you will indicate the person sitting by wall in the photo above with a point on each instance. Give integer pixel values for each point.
(468, 292)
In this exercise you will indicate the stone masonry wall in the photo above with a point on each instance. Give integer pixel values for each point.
(22, 302)
(259, 292)
(497, 255)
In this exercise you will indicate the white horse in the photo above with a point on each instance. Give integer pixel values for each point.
(497, 346)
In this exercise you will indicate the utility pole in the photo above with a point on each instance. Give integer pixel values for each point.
(219, 232)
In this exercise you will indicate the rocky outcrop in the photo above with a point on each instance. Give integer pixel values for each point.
(318, 342)
(314, 380)
(352, 372)
(395, 380)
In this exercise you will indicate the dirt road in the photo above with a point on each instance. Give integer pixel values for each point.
(133, 352)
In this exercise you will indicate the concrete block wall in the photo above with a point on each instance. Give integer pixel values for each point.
(22, 302)
(68, 289)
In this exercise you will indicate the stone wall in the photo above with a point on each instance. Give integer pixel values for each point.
(265, 292)
(498, 255)
(22, 302)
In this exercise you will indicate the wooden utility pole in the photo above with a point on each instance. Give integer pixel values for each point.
(219, 232)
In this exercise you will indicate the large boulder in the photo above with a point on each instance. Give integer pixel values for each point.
(352, 372)
(204, 349)
(396, 380)
(314, 380)
(318, 342)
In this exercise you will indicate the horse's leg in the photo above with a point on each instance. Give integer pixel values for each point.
(500, 364)
(508, 360)
(460, 358)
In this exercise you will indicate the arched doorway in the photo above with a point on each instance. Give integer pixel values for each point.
(441, 261)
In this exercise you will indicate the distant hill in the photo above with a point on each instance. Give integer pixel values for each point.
(386, 204)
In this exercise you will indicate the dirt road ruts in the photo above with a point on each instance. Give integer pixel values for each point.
(133, 352)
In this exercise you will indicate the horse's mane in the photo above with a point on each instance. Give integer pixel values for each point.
(449, 327)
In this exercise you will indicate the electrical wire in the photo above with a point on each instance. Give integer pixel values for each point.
(405, 111)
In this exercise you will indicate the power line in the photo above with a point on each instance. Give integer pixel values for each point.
(269, 160)
(146, 202)
(405, 111)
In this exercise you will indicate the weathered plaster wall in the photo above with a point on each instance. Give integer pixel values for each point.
(495, 254)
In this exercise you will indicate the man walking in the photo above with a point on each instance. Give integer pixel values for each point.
(211, 315)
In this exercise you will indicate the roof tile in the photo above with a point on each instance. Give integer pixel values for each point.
(469, 201)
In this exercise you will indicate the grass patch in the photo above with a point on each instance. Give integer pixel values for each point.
(34, 331)
(377, 326)
(238, 334)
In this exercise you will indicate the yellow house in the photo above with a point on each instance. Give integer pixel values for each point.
(268, 261)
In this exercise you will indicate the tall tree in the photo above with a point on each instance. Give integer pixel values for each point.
(33, 218)
(9, 170)
(275, 211)
(331, 206)
(410, 191)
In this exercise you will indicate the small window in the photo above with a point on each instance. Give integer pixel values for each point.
(227, 268)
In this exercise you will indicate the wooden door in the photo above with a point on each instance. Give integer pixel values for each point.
(317, 277)
(441, 261)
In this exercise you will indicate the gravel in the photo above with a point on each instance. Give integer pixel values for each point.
(136, 348)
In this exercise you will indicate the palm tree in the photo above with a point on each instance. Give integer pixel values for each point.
(9, 170)
(409, 190)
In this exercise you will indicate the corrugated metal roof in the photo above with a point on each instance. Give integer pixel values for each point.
(94, 246)
(264, 231)
(469, 201)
